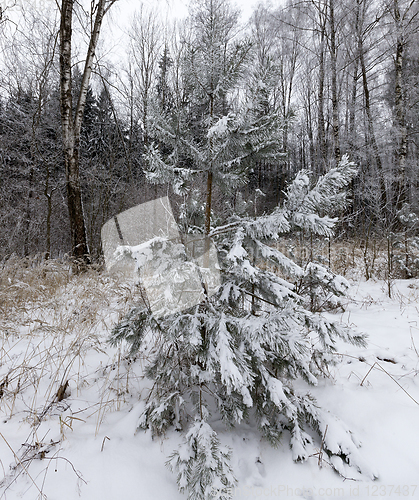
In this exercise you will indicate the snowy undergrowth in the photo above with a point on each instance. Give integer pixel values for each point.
(70, 403)
(55, 369)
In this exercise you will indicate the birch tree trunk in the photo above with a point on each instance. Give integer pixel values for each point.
(71, 126)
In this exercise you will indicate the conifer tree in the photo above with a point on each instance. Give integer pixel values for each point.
(237, 353)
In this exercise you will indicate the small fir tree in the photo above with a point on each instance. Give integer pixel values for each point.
(237, 353)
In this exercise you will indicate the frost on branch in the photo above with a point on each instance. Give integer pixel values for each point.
(246, 353)
(202, 465)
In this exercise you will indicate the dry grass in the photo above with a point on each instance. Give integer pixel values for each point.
(354, 258)
(53, 331)
(49, 320)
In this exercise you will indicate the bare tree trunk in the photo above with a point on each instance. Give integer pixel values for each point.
(371, 133)
(208, 203)
(352, 107)
(333, 64)
(401, 153)
(371, 139)
(28, 214)
(71, 127)
(70, 145)
(48, 194)
(309, 125)
(321, 120)
(145, 50)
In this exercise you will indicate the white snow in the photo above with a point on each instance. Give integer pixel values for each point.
(220, 129)
(93, 448)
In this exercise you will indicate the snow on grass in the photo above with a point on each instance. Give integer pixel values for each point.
(70, 403)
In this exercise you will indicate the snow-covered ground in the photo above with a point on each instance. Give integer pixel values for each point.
(81, 442)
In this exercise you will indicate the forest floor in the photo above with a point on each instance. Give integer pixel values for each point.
(70, 403)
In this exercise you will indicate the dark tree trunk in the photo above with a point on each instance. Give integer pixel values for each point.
(71, 126)
(70, 145)
(334, 89)
(371, 139)
(400, 110)
(352, 107)
(321, 121)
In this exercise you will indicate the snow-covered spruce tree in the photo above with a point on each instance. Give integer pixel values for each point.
(238, 353)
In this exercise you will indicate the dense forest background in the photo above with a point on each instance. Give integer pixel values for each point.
(339, 76)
